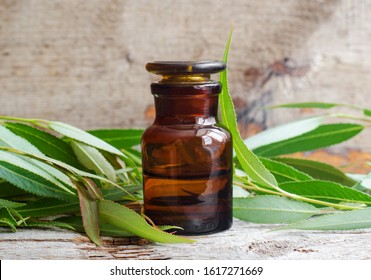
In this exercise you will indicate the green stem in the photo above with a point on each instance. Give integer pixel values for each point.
(347, 116)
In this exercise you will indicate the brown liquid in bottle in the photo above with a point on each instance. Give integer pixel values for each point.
(187, 155)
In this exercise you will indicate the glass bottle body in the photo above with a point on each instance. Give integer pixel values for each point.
(187, 160)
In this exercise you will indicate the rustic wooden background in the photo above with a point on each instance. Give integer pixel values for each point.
(82, 62)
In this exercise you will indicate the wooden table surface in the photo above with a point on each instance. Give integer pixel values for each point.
(242, 241)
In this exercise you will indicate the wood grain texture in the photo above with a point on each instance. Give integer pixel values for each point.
(243, 241)
(83, 61)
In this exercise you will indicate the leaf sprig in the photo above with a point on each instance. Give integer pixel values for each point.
(53, 174)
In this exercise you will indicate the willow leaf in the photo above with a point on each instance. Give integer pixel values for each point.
(126, 219)
(105, 229)
(283, 172)
(322, 105)
(92, 159)
(31, 182)
(90, 216)
(348, 220)
(10, 204)
(318, 170)
(119, 138)
(48, 207)
(283, 132)
(249, 162)
(319, 105)
(34, 166)
(7, 218)
(47, 143)
(10, 139)
(323, 136)
(326, 191)
(271, 209)
(8, 190)
(83, 136)
(68, 168)
(367, 112)
(49, 224)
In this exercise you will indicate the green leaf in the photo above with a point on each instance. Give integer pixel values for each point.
(367, 112)
(7, 218)
(48, 207)
(31, 182)
(320, 105)
(83, 136)
(126, 219)
(283, 132)
(323, 136)
(284, 172)
(10, 204)
(326, 191)
(49, 224)
(45, 142)
(90, 216)
(348, 220)
(92, 159)
(363, 181)
(271, 209)
(112, 193)
(318, 170)
(105, 229)
(68, 168)
(10, 139)
(8, 190)
(34, 166)
(249, 162)
(119, 138)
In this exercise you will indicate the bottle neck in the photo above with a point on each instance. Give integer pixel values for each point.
(201, 109)
(186, 104)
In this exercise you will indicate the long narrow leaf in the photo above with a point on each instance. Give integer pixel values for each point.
(319, 105)
(318, 170)
(83, 136)
(45, 142)
(326, 191)
(126, 219)
(249, 162)
(323, 136)
(119, 138)
(92, 159)
(48, 207)
(271, 209)
(349, 220)
(90, 216)
(322, 105)
(283, 132)
(283, 172)
(34, 166)
(32, 182)
(10, 204)
(10, 139)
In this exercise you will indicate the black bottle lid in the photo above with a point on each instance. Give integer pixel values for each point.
(185, 67)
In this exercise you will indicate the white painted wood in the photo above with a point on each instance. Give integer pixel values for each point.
(243, 241)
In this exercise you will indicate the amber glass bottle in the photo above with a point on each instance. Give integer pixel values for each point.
(187, 155)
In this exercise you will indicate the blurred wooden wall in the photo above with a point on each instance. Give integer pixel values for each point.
(82, 62)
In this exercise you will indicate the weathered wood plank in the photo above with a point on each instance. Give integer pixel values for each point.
(243, 241)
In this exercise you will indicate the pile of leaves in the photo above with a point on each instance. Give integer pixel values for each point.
(55, 175)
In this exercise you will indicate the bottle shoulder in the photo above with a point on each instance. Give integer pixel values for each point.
(166, 132)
